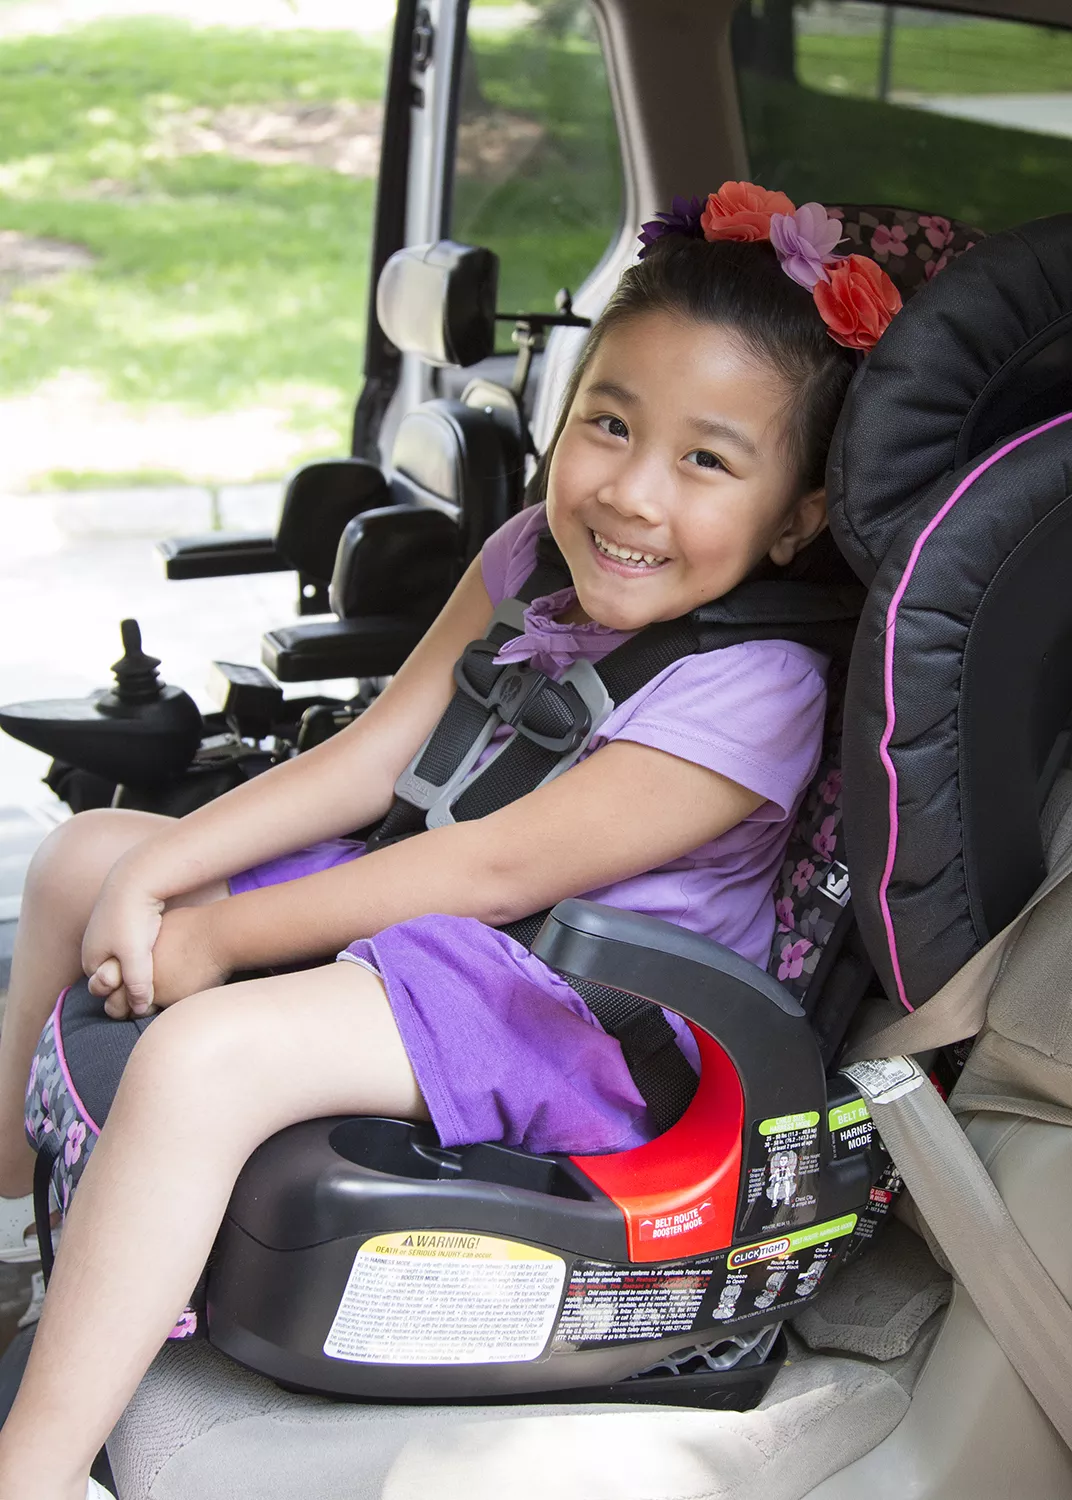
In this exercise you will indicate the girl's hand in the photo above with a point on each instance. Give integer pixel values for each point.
(185, 957)
(118, 945)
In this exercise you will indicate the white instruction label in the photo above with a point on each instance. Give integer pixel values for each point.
(884, 1079)
(445, 1297)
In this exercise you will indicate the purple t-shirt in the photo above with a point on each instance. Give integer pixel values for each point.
(752, 712)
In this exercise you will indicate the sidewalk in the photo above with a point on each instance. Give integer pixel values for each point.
(71, 567)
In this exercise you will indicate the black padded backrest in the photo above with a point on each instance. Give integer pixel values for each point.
(961, 678)
(986, 350)
(464, 459)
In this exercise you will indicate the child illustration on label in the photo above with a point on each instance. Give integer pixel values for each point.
(783, 1177)
(775, 1282)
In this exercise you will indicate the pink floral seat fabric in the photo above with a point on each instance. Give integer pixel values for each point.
(812, 889)
(911, 247)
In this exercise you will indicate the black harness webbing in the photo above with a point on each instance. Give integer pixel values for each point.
(552, 722)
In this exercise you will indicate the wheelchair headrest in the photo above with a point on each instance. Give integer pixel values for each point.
(951, 495)
(984, 350)
(438, 302)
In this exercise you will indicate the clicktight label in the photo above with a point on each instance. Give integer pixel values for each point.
(788, 1244)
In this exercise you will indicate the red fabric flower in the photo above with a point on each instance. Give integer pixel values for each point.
(742, 211)
(858, 303)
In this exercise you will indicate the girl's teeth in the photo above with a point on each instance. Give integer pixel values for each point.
(625, 554)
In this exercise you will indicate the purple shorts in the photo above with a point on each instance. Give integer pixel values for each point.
(503, 1049)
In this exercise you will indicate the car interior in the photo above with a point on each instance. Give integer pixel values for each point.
(836, 1267)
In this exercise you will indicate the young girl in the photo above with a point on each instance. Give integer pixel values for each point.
(690, 453)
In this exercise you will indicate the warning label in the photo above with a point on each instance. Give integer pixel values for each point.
(605, 1305)
(440, 1297)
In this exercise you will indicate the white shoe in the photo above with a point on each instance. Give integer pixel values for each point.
(18, 1237)
(95, 1491)
(37, 1301)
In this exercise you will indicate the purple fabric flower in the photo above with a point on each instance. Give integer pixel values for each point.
(683, 218)
(802, 241)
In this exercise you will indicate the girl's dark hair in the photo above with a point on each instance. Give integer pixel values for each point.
(741, 287)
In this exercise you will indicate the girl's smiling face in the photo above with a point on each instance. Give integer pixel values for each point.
(671, 478)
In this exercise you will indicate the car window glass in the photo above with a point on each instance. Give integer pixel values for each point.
(537, 172)
(845, 101)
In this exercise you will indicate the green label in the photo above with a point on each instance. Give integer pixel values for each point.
(784, 1245)
(781, 1123)
(843, 1115)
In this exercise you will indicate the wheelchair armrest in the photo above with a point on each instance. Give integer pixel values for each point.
(316, 650)
(220, 554)
(757, 1023)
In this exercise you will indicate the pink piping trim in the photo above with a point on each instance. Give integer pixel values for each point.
(62, 1060)
(891, 712)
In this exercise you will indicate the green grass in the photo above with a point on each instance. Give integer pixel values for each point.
(846, 150)
(983, 57)
(551, 221)
(218, 283)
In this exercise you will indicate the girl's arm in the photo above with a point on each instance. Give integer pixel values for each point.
(343, 784)
(626, 809)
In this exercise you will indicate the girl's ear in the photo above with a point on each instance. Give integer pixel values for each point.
(805, 521)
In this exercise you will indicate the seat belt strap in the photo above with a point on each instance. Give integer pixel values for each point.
(958, 1010)
(956, 1197)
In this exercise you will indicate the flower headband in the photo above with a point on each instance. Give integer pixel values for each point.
(856, 299)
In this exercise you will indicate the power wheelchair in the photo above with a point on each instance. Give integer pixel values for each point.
(360, 1259)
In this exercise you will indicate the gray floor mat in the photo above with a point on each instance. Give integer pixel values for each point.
(877, 1307)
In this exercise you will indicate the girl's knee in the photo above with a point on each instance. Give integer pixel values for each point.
(73, 861)
(195, 1039)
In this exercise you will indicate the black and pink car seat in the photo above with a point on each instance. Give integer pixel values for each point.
(359, 1258)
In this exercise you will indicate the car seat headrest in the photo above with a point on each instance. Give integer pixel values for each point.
(438, 302)
(982, 351)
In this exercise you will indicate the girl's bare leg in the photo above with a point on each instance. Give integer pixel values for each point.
(208, 1082)
(62, 886)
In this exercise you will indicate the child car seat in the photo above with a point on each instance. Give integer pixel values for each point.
(774, 1188)
(957, 513)
(960, 428)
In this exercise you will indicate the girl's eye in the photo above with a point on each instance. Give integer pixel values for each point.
(704, 460)
(613, 426)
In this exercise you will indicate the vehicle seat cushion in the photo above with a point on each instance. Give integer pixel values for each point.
(201, 1428)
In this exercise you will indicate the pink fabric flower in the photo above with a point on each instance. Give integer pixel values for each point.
(783, 910)
(825, 842)
(887, 241)
(939, 231)
(802, 876)
(830, 790)
(803, 240)
(792, 956)
(931, 269)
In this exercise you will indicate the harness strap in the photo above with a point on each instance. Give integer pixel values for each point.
(468, 713)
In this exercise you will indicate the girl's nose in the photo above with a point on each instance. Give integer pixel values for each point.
(634, 491)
